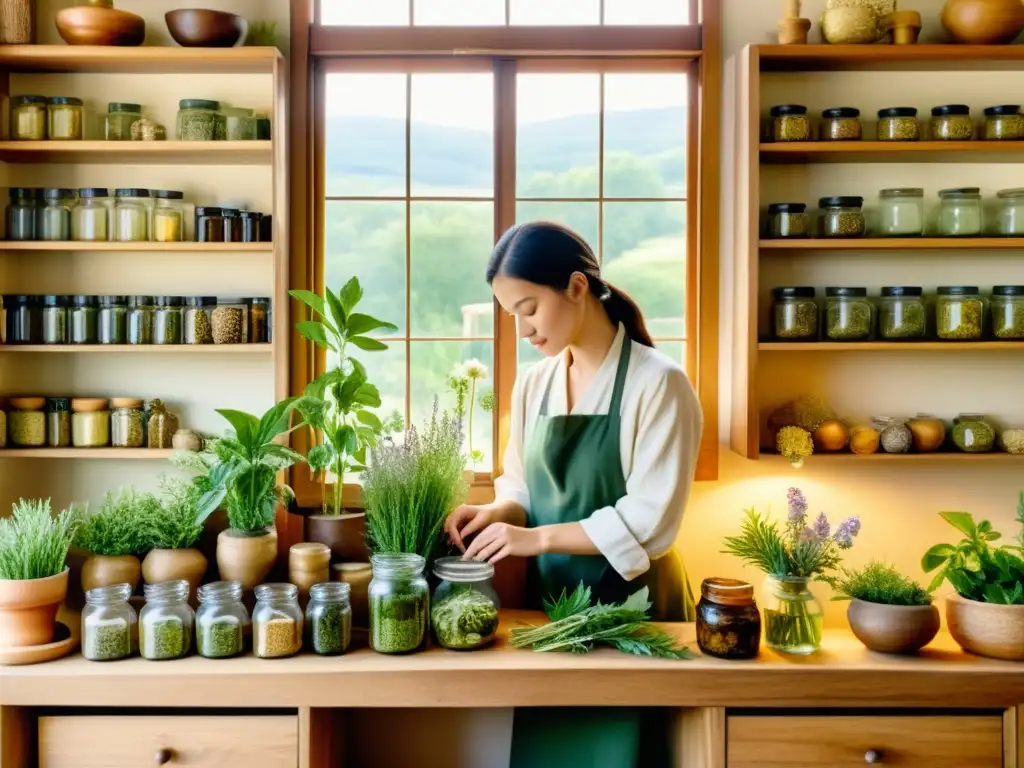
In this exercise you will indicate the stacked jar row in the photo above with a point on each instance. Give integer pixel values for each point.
(88, 422)
(949, 122)
(900, 313)
(208, 120)
(81, 319)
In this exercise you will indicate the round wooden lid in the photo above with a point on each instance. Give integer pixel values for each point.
(88, 404)
(126, 402)
(28, 403)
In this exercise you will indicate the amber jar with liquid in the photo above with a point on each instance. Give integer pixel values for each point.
(728, 624)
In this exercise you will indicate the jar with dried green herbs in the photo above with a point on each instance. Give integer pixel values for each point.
(228, 325)
(112, 320)
(842, 216)
(83, 318)
(399, 603)
(464, 606)
(141, 312)
(198, 319)
(168, 320)
(55, 319)
(972, 433)
(952, 122)
(21, 213)
(1004, 123)
(221, 620)
(902, 313)
(58, 422)
(109, 624)
(276, 621)
(26, 422)
(787, 220)
(161, 425)
(53, 219)
(28, 118)
(849, 314)
(1012, 441)
(166, 621)
(329, 618)
(1008, 312)
(898, 124)
(197, 119)
(840, 124)
(121, 116)
(794, 313)
(960, 313)
(64, 119)
(790, 123)
(127, 422)
(239, 124)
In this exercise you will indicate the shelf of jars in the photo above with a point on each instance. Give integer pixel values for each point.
(111, 454)
(891, 346)
(895, 244)
(138, 152)
(141, 349)
(74, 246)
(168, 60)
(905, 458)
(893, 152)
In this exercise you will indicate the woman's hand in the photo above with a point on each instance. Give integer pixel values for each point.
(500, 540)
(467, 520)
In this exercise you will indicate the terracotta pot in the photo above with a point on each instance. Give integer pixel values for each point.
(344, 534)
(983, 22)
(245, 558)
(28, 610)
(171, 564)
(893, 628)
(107, 570)
(986, 629)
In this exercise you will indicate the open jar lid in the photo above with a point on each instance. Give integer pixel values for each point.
(462, 571)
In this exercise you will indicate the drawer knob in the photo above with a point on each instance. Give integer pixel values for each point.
(872, 756)
(163, 756)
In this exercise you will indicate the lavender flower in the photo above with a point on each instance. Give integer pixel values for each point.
(809, 536)
(821, 527)
(797, 506)
(847, 529)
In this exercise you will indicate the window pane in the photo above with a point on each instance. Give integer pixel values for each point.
(459, 12)
(527, 357)
(452, 135)
(376, 13)
(432, 363)
(646, 11)
(365, 135)
(558, 128)
(555, 12)
(451, 243)
(368, 240)
(645, 135)
(645, 255)
(581, 217)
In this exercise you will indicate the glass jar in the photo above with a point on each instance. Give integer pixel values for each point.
(197, 119)
(141, 312)
(21, 213)
(1011, 212)
(90, 422)
(728, 624)
(276, 621)
(58, 422)
(82, 318)
(229, 323)
(793, 618)
(399, 603)
(161, 426)
(127, 422)
(259, 319)
(232, 225)
(26, 422)
(119, 120)
(24, 320)
(251, 226)
(790, 123)
(262, 128)
(840, 124)
(90, 219)
(1004, 123)
(109, 624)
(329, 618)
(112, 321)
(239, 124)
(28, 118)
(849, 314)
(168, 216)
(199, 319)
(960, 212)
(53, 220)
(898, 124)
(55, 319)
(787, 220)
(464, 606)
(131, 215)
(902, 314)
(1008, 312)
(972, 433)
(209, 225)
(952, 123)
(166, 621)
(795, 313)
(221, 620)
(842, 216)
(901, 212)
(960, 313)
(64, 119)
(167, 320)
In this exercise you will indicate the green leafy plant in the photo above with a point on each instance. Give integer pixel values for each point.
(177, 526)
(120, 525)
(879, 583)
(578, 625)
(261, 33)
(34, 542)
(338, 404)
(976, 569)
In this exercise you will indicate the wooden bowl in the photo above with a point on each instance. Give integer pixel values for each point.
(893, 628)
(987, 629)
(88, 25)
(200, 28)
(983, 22)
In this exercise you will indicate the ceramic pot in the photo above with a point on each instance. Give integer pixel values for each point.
(172, 564)
(986, 629)
(245, 558)
(107, 570)
(344, 534)
(983, 22)
(893, 628)
(28, 610)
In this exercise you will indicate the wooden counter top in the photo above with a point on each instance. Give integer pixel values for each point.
(843, 674)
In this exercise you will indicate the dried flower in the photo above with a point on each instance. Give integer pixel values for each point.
(797, 506)
(847, 529)
(821, 527)
(795, 444)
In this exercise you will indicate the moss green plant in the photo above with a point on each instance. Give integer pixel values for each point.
(177, 525)
(879, 583)
(121, 524)
(34, 542)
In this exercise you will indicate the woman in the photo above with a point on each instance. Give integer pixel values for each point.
(604, 440)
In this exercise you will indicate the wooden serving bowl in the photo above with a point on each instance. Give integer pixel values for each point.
(201, 28)
(89, 25)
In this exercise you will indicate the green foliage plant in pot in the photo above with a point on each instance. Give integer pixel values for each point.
(986, 614)
(114, 535)
(888, 612)
(173, 533)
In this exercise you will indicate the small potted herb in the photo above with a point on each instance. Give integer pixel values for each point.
(172, 534)
(114, 535)
(888, 612)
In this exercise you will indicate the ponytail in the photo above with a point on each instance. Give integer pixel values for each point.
(622, 309)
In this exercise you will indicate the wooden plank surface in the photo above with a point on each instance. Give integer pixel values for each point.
(162, 59)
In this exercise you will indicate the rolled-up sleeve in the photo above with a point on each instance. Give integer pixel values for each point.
(511, 485)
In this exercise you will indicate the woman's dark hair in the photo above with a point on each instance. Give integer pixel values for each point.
(545, 253)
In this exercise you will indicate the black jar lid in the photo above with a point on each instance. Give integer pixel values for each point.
(260, 300)
(1003, 109)
(198, 104)
(793, 292)
(902, 290)
(841, 202)
(201, 301)
(58, 193)
(94, 192)
(17, 101)
(17, 300)
(788, 109)
(113, 301)
(123, 106)
(898, 112)
(57, 404)
(207, 211)
(960, 192)
(251, 214)
(131, 192)
(840, 292)
(167, 194)
(232, 212)
(25, 193)
(787, 207)
(83, 301)
(957, 290)
(1008, 290)
(169, 301)
(140, 301)
(66, 101)
(840, 112)
(951, 110)
(56, 301)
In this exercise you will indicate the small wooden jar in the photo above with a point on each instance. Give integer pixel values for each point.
(357, 576)
(906, 26)
(309, 563)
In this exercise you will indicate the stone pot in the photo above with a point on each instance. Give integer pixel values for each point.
(107, 570)
(345, 535)
(246, 558)
(28, 609)
(172, 564)
(893, 628)
(983, 22)
(986, 629)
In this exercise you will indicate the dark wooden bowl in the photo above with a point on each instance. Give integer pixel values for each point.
(87, 25)
(200, 28)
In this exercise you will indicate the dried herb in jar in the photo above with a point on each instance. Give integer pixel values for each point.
(398, 622)
(219, 638)
(848, 314)
(227, 325)
(277, 637)
(960, 313)
(106, 640)
(330, 628)
(164, 639)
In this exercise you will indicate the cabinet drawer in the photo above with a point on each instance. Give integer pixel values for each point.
(943, 741)
(198, 742)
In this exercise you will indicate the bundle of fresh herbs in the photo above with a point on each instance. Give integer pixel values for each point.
(121, 524)
(34, 543)
(879, 583)
(578, 625)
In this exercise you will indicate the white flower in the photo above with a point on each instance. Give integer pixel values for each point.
(474, 369)
(458, 372)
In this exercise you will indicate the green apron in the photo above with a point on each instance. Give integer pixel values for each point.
(573, 468)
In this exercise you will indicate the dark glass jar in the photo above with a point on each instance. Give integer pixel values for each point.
(58, 422)
(267, 229)
(251, 226)
(55, 319)
(209, 225)
(82, 319)
(24, 320)
(259, 319)
(232, 225)
(728, 624)
(21, 213)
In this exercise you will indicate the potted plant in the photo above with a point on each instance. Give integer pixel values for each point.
(986, 615)
(173, 533)
(338, 405)
(888, 612)
(114, 535)
(34, 547)
(462, 382)
(793, 618)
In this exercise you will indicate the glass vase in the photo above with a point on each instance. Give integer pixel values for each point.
(793, 617)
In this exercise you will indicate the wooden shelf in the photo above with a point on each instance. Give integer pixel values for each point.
(110, 454)
(929, 57)
(138, 152)
(937, 457)
(891, 346)
(897, 244)
(802, 152)
(141, 60)
(108, 247)
(132, 349)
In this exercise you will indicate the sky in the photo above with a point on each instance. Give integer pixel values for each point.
(492, 12)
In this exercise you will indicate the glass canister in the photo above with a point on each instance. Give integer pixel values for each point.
(28, 118)
(898, 124)
(109, 624)
(21, 213)
(230, 322)
(64, 119)
(728, 624)
(793, 618)
(787, 220)
(168, 216)
(161, 426)
(251, 226)
(795, 313)
(259, 320)
(902, 314)
(960, 212)
(90, 422)
(197, 119)
(960, 313)
(112, 322)
(464, 606)
(840, 124)
(24, 320)
(239, 124)
(127, 422)
(198, 319)
(952, 122)
(55, 319)
(232, 225)
(329, 618)
(53, 219)
(399, 603)
(26, 422)
(58, 422)
(1008, 312)
(141, 312)
(167, 320)
(209, 225)
(849, 314)
(842, 216)
(790, 123)
(972, 433)
(221, 620)
(119, 120)
(901, 212)
(1004, 123)
(131, 215)
(83, 320)
(166, 621)
(1011, 212)
(90, 219)
(277, 621)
